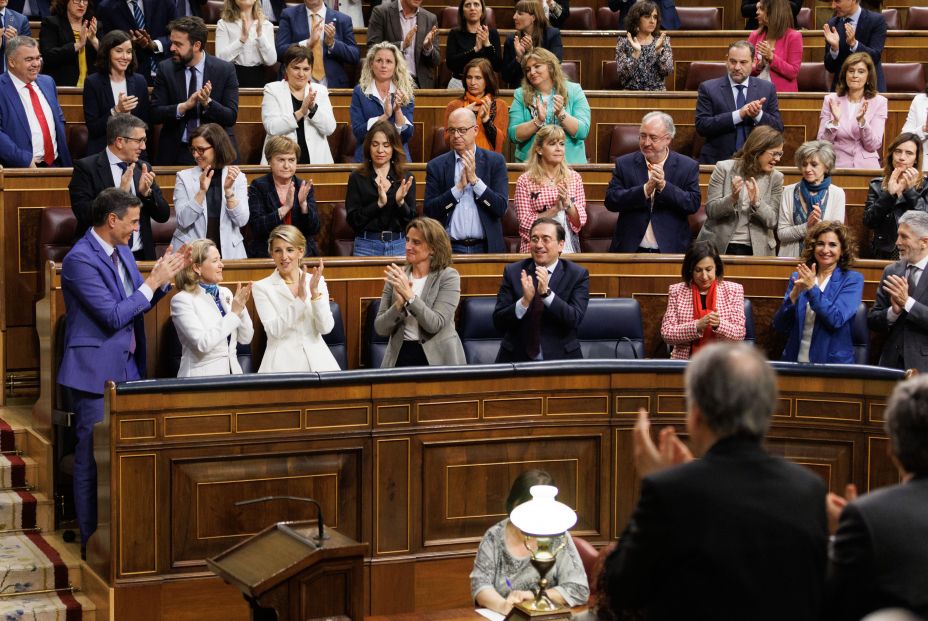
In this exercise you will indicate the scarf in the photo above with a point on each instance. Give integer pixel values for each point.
(486, 131)
(812, 195)
(708, 335)
(213, 290)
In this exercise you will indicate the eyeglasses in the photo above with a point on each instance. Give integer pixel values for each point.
(199, 150)
(775, 154)
(651, 138)
(460, 131)
(79, 2)
(129, 139)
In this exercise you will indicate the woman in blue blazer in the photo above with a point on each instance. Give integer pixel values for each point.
(115, 87)
(384, 92)
(821, 299)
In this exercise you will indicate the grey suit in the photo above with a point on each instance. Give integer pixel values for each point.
(723, 215)
(434, 310)
(385, 26)
(906, 347)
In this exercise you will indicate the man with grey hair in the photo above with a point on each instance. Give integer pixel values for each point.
(728, 108)
(119, 166)
(654, 190)
(31, 121)
(737, 534)
(880, 550)
(901, 307)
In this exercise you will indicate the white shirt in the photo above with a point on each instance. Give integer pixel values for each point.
(135, 241)
(119, 88)
(254, 52)
(38, 144)
(650, 240)
(411, 324)
(736, 114)
(268, 9)
(806, 341)
(407, 23)
(915, 122)
(372, 90)
(891, 315)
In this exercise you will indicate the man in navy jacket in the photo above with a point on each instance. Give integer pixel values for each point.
(334, 36)
(854, 29)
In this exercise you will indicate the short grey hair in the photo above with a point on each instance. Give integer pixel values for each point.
(907, 424)
(743, 43)
(663, 116)
(818, 149)
(120, 125)
(17, 42)
(915, 220)
(734, 388)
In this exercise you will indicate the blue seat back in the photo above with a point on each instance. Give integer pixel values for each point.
(336, 338)
(860, 335)
(479, 337)
(611, 328)
(748, 322)
(375, 346)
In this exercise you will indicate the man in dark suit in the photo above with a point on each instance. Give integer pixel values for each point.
(12, 24)
(541, 300)
(414, 31)
(880, 549)
(191, 89)
(147, 21)
(32, 130)
(191, 8)
(728, 108)
(654, 190)
(854, 29)
(36, 8)
(331, 40)
(106, 299)
(738, 534)
(467, 189)
(118, 165)
(901, 307)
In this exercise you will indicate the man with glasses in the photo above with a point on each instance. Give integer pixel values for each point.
(119, 166)
(467, 189)
(654, 190)
(728, 108)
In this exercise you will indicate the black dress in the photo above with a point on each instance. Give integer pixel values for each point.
(460, 51)
(300, 132)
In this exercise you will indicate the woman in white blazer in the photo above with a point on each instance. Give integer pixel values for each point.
(298, 109)
(293, 305)
(209, 320)
(209, 205)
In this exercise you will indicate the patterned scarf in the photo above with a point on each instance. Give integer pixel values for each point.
(813, 195)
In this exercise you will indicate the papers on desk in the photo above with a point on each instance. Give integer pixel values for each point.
(490, 614)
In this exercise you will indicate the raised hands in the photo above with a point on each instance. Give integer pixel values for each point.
(805, 280)
(835, 106)
(834, 504)
(563, 195)
(125, 181)
(126, 104)
(388, 104)
(329, 34)
(661, 40)
(146, 180)
(242, 293)
(287, 205)
(318, 31)
(861, 113)
(483, 38)
(752, 108)
(429, 39)
(528, 288)
(315, 279)
(633, 41)
(656, 179)
(403, 188)
(815, 216)
(469, 172)
(142, 39)
(303, 194)
(753, 194)
(736, 184)
(409, 38)
(541, 107)
(383, 186)
(898, 289)
(204, 93)
(522, 45)
(231, 174)
(167, 267)
(850, 35)
(831, 37)
(902, 179)
(206, 177)
(9, 32)
(402, 288)
(669, 450)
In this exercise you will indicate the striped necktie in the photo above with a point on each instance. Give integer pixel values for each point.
(139, 18)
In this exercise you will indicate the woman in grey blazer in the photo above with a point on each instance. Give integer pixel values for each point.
(744, 197)
(419, 300)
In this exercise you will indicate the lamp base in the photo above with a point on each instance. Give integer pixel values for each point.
(522, 612)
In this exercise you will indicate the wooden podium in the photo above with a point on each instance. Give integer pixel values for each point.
(286, 574)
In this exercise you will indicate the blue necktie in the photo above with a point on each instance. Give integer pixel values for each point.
(139, 18)
(193, 118)
(741, 132)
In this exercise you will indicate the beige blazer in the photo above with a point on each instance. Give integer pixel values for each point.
(294, 327)
(723, 214)
(204, 333)
(434, 310)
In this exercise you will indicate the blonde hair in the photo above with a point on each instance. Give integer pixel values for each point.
(187, 279)
(535, 167)
(401, 78)
(558, 80)
(281, 144)
(231, 12)
(289, 234)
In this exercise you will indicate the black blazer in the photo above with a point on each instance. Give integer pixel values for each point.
(738, 534)
(883, 210)
(871, 38)
(263, 204)
(512, 69)
(115, 15)
(571, 286)
(365, 215)
(92, 175)
(880, 552)
(59, 59)
(98, 101)
(171, 90)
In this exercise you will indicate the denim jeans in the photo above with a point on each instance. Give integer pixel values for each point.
(364, 247)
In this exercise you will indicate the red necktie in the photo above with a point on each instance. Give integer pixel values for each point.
(43, 124)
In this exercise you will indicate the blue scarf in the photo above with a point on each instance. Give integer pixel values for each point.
(812, 195)
(213, 290)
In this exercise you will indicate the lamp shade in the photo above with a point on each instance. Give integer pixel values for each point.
(543, 515)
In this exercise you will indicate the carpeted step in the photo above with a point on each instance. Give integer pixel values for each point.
(16, 471)
(18, 510)
(61, 606)
(29, 562)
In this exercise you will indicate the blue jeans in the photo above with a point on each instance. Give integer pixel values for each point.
(364, 247)
(475, 249)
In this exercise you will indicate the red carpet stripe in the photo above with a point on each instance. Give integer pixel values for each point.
(17, 471)
(73, 608)
(29, 510)
(7, 439)
(61, 570)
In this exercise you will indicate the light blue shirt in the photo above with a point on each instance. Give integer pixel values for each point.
(200, 67)
(854, 19)
(736, 115)
(127, 285)
(465, 221)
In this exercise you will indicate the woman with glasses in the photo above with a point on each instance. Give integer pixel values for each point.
(114, 88)
(68, 42)
(744, 197)
(481, 97)
(211, 199)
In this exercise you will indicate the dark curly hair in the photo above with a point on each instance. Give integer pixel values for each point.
(640, 9)
(848, 245)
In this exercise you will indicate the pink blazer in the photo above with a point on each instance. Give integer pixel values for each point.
(855, 146)
(787, 58)
(679, 328)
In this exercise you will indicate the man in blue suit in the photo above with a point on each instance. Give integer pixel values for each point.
(654, 190)
(31, 8)
(106, 299)
(148, 27)
(728, 108)
(854, 29)
(467, 189)
(331, 40)
(12, 24)
(31, 121)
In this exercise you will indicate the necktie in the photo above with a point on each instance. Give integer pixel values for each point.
(535, 312)
(318, 67)
(741, 132)
(43, 125)
(115, 257)
(193, 117)
(912, 277)
(139, 18)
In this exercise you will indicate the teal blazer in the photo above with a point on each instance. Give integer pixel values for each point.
(577, 106)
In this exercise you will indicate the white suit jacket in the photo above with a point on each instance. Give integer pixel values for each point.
(204, 332)
(294, 327)
(191, 216)
(278, 119)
